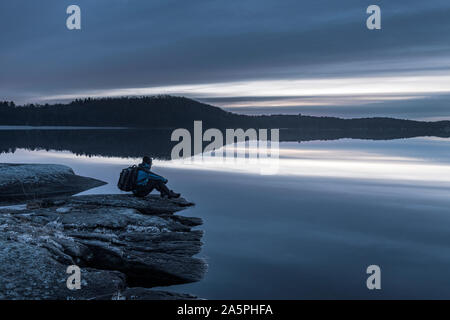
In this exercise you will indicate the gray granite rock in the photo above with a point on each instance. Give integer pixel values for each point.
(121, 245)
(31, 181)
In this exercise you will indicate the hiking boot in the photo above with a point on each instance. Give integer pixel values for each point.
(173, 195)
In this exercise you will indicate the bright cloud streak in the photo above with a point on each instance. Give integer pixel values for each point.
(318, 101)
(401, 85)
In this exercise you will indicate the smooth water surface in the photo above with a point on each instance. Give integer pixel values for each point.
(310, 230)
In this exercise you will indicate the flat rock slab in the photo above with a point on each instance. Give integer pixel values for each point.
(152, 204)
(121, 248)
(20, 182)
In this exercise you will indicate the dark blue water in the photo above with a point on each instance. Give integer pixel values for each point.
(311, 230)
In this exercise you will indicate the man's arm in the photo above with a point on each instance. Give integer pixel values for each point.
(154, 176)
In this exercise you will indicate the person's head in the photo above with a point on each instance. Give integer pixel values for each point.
(147, 160)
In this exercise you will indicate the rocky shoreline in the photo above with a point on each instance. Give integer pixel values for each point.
(124, 246)
(20, 182)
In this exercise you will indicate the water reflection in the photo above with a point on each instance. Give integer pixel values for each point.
(310, 231)
(418, 160)
(125, 143)
(307, 160)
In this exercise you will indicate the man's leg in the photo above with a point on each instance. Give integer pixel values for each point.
(143, 191)
(162, 188)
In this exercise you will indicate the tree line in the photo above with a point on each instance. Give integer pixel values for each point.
(179, 112)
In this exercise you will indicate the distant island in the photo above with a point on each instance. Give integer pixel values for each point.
(179, 112)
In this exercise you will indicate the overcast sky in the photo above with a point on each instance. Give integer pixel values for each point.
(261, 54)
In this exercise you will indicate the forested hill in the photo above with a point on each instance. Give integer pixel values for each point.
(144, 112)
(180, 112)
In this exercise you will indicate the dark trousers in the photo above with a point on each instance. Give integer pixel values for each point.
(142, 191)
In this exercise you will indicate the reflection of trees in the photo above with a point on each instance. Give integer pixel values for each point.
(112, 143)
(135, 143)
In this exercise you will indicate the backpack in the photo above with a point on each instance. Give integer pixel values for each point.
(128, 178)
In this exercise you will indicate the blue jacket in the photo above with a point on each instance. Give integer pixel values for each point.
(146, 174)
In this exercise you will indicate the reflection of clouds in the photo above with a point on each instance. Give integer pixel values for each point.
(327, 163)
(341, 155)
(436, 139)
(295, 162)
(44, 155)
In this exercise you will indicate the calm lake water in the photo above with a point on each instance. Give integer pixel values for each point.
(311, 230)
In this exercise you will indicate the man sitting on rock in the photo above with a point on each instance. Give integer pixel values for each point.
(147, 181)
